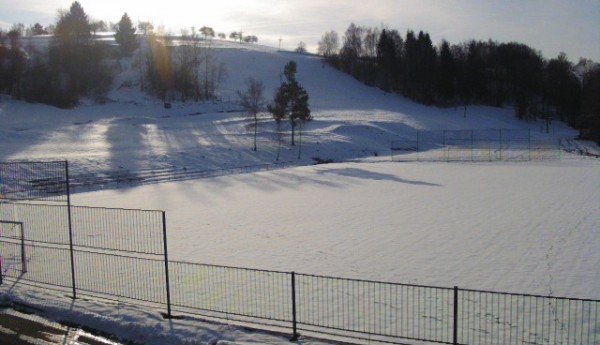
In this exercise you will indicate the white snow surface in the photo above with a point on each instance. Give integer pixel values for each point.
(515, 227)
(530, 227)
(133, 132)
(138, 324)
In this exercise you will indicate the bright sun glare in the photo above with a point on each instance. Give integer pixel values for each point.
(178, 14)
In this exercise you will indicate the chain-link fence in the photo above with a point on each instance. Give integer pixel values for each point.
(475, 145)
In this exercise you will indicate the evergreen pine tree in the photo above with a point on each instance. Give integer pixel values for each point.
(291, 100)
(125, 36)
(447, 74)
(70, 53)
(562, 88)
(386, 61)
(590, 105)
(409, 67)
(75, 60)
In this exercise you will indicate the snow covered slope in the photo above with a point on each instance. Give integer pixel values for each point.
(133, 132)
(523, 227)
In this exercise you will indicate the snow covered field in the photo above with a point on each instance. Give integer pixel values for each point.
(525, 227)
(517, 227)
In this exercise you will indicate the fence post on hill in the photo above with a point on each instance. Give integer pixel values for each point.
(500, 139)
(529, 144)
(295, 334)
(1, 269)
(418, 152)
(167, 284)
(455, 326)
(472, 147)
(70, 224)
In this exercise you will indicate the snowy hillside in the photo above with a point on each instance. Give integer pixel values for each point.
(524, 227)
(133, 133)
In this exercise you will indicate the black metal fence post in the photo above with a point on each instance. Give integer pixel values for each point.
(529, 144)
(455, 327)
(70, 229)
(1, 269)
(418, 151)
(500, 138)
(472, 147)
(167, 284)
(23, 256)
(295, 334)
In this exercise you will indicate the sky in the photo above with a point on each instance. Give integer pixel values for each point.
(550, 26)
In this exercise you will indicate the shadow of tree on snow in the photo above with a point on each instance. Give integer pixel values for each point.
(370, 175)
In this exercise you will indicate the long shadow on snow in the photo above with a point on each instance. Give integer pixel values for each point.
(127, 148)
(370, 175)
(291, 180)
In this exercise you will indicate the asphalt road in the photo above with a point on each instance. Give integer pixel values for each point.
(17, 328)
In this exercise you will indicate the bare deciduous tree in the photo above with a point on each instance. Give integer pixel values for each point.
(207, 32)
(146, 28)
(252, 100)
(301, 48)
(329, 44)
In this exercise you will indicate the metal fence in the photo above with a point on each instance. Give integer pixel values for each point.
(127, 230)
(112, 179)
(333, 307)
(488, 317)
(258, 296)
(475, 145)
(45, 181)
(107, 251)
(122, 254)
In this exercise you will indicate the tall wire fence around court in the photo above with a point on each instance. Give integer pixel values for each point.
(475, 145)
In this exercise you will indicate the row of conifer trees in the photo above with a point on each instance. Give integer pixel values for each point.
(473, 72)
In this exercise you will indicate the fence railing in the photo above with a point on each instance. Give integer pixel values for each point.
(45, 181)
(318, 305)
(475, 145)
(488, 317)
(128, 230)
(84, 182)
(122, 254)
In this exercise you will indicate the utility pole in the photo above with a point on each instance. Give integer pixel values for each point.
(279, 44)
(241, 35)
